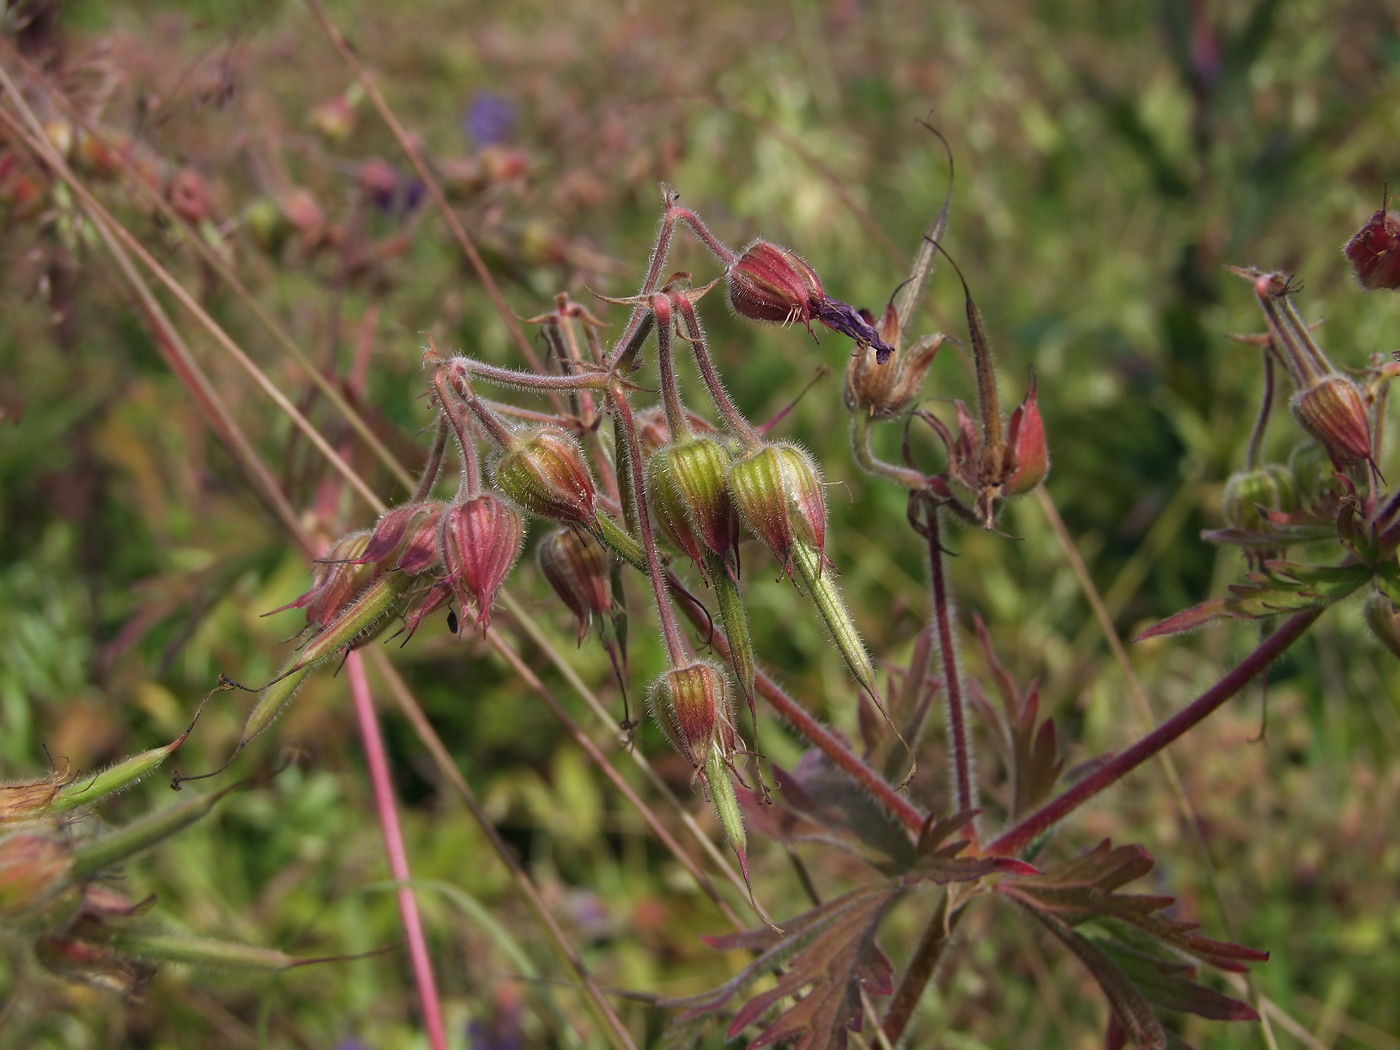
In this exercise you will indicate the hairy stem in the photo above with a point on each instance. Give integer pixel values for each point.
(923, 964)
(964, 787)
(675, 648)
(866, 459)
(1050, 814)
(1256, 437)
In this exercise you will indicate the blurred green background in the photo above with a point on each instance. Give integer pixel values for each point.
(1111, 160)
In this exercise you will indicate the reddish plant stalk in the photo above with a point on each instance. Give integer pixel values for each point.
(378, 762)
(829, 743)
(1050, 814)
(964, 788)
(675, 648)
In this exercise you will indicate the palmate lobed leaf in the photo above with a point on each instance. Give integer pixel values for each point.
(830, 950)
(1282, 587)
(1132, 954)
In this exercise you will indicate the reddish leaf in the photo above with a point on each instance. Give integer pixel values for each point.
(1187, 619)
(1032, 751)
(1137, 948)
(833, 956)
(1130, 1007)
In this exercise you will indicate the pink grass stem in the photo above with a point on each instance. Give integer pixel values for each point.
(378, 762)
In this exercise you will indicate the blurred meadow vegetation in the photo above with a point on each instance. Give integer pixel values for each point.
(1111, 160)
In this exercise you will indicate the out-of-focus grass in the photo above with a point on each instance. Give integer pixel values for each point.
(1097, 199)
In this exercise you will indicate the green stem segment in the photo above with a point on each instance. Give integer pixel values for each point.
(827, 597)
(91, 857)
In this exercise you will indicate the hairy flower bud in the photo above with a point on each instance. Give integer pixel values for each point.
(1250, 495)
(544, 471)
(405, 538)
(480, 541)
(694, 707)
(769, 283)
(779, 492)
(336, 578)
(1025, 433)
(579, 570)
(689, 493)
(1334, 412)
(36, 884)
(1374, 252)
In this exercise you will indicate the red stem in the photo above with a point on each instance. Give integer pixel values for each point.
(964, 789)
(378, 762)
(1050, 814)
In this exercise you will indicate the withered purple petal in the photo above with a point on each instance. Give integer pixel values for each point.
(844, 318)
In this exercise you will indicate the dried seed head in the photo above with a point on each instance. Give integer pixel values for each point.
(778, 490)
(36, 884)
(694, 706)
(1025, 434)
(689, 493)
(20, 803)
(769, 283)
(1374, 252)
(884, 388)
(480, 542)
(1250, 495)
(1334, 412)
(544, 471)
(580, 571)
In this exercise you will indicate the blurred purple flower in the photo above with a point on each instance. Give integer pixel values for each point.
(490, 118)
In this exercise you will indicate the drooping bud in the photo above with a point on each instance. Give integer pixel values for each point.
(335, 580)
(1025, 433)
(688, 490)
(405, 538)
(1374, 252)
(36, 884)
(1250, 495)
(769, 283)
(544, 471)
(694, 707)
(480, 542)
(779, 492)
(579, 570)
(1334, 412)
